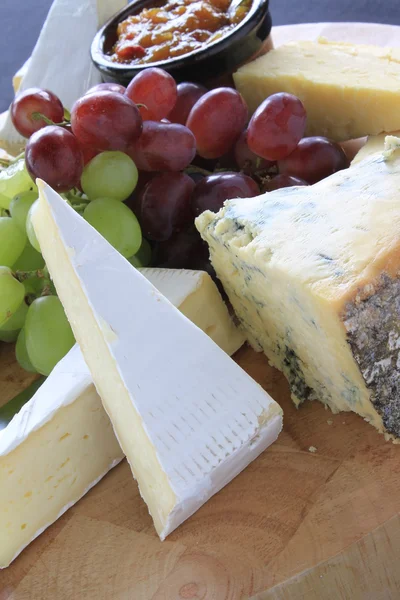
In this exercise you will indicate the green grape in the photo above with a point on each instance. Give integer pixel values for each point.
(17, 320)
(4, 201)
(9, 336)
(19, 207)
(30, 229)
(14, 179)
(21, 353)
(142, 258)
(109, 175)
(48, 334)
(117, 223)
(29, 260)
(12, 293)
(10, 329)
(12, 241)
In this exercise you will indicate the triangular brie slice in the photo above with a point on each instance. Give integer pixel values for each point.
(188, 418)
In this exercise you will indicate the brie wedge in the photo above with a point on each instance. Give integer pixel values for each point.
(187, 417)
(60, 61)
(61, 443)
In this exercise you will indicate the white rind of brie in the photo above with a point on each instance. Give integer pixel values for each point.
(60, 61)
(33, 448)
(187, 417)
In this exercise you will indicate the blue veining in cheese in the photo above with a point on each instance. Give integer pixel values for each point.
(313, 275)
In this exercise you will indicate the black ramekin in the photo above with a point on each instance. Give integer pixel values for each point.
(215, 60)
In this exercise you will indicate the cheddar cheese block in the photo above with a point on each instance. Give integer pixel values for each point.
(313, 274)
(349, 91)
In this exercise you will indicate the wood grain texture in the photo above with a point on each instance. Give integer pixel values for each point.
(367, 570)
(296, 523)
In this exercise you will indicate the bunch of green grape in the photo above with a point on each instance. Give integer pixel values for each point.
(30, 312)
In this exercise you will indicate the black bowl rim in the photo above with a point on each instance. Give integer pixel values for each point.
(258, 10)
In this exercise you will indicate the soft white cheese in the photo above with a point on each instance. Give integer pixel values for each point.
(188, 418)
(43, 471)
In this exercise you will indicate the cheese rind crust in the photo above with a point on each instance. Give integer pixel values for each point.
(348, 90)
(312, 274)
(373, 327)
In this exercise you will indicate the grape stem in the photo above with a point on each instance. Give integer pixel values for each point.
(6, 163)
(37, 116)
(77, 200)
(80, 207)
(41, 278)
(193, 169)
(74, 196)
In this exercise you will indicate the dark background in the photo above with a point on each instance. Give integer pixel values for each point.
(21, 20)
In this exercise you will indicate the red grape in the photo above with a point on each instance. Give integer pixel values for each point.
(184, 250)
(107, 87)
(282, 181)
(35, 100)
(277, 126)
(106, 121)
(211, 192)
(195, 175)
(314, 159)
(188, 94)
(88, 153)
(163, 147)
(134, 200)
(156, 89)
(246, 160)
(217, 120)
(165, 205)
(54, 155)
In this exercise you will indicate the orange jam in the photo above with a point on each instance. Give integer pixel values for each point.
(174, 28)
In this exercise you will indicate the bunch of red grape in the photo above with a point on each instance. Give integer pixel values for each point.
(170, 151)
(139, 164)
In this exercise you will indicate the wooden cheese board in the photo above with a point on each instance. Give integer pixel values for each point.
(315, 516)
(324, 522)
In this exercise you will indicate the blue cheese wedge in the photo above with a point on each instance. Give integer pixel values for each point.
(375, 143)
(61, 443)
(187, 417)
(313, 274)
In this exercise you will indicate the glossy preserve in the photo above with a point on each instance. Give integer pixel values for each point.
(245, 37)
(173, 28)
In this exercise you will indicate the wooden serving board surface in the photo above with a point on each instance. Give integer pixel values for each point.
(295, 524)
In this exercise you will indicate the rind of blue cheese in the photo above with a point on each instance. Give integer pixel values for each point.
(313, 276)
